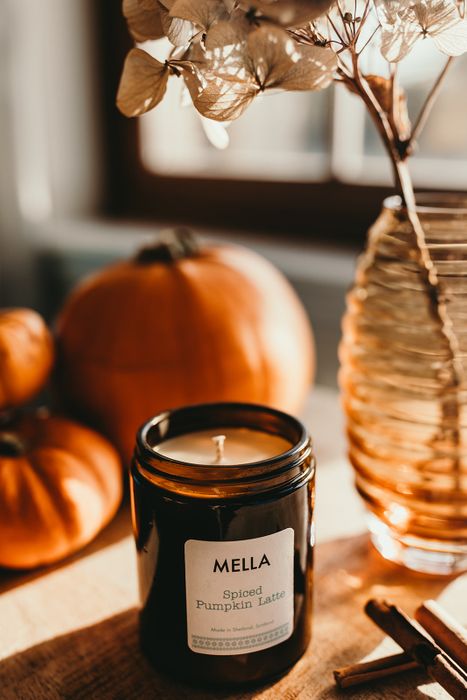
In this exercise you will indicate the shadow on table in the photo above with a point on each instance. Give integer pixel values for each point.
(119, 528)
(103, 662)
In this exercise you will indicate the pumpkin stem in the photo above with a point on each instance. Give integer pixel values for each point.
(174, 244)
(11, 445)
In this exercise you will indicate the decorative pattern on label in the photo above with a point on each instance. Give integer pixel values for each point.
(239, 594)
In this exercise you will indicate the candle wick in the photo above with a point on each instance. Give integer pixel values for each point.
(219, 441)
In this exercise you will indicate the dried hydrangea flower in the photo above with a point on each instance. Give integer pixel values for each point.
(236, 67)
(235, 61)
(404, 22)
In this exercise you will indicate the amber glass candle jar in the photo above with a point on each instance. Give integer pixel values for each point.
(224, 549)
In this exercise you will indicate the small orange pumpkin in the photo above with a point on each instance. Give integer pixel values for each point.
(60, 483)
(26, 356)
(182, 325)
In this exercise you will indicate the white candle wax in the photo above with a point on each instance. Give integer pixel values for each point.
(239, 446)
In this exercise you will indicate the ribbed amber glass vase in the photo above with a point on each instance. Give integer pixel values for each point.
(404, 385)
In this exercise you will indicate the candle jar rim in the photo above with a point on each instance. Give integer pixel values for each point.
(288, 469)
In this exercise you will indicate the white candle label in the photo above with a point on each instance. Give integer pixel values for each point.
(239, 594)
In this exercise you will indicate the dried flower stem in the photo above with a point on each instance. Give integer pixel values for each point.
(366, 12)
(370, 39)
(344, 23)
(336, 31)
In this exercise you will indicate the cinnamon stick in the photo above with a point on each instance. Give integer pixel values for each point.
(412, 640)
(370, 671)
(445, 631)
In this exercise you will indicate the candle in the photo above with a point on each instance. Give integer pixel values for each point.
(222, 506)
(227, 446)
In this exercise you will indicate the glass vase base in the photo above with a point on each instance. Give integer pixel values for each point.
(426, 556)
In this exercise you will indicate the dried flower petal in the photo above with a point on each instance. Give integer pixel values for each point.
(221, 100)
(269, 51)
(278, 62)
(404, 22)
(203, 13)
(219, 83)
(178, 31)
(232, 32)
(290, 12)
(142, 85)
(453, 40)
(143, 18)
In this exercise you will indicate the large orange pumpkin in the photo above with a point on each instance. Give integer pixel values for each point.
(60, 483)
(180, 325)
(26, 356)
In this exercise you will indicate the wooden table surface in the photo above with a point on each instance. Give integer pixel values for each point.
(71, 631)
